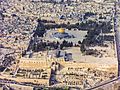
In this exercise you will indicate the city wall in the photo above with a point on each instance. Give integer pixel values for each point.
(35, 63)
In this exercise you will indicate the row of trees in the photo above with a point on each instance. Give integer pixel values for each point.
(80, 26)
(40, 45)
(51, 45)
(93, 37)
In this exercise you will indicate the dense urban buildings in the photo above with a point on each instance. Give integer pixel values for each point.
(59, 44)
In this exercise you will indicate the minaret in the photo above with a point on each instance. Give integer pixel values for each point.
(117, 35)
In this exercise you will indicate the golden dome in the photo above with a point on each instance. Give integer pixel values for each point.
(61, 30)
